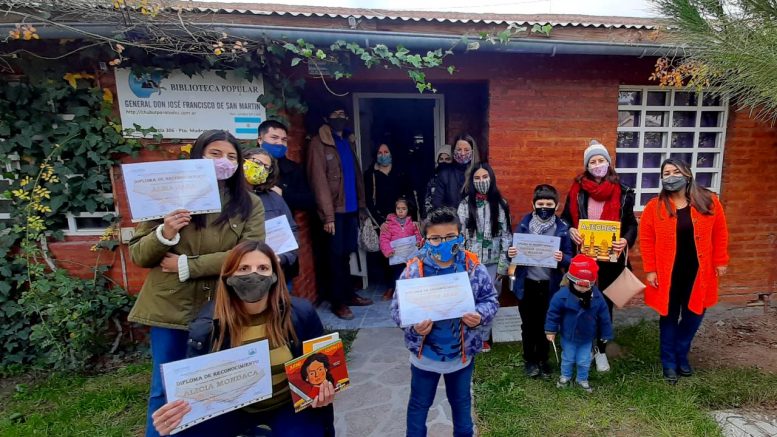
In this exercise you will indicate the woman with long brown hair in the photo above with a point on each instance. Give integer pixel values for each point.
(684, 243)
(252, 304)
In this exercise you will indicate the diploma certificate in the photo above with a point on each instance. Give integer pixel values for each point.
(536, 250)
(279, 236)
(435, 298)
(219, 382)
(155, 189)
(404, 249)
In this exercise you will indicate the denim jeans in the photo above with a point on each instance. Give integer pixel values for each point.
(423, 387)
(575, 354)
(166, 345)
(676, 332)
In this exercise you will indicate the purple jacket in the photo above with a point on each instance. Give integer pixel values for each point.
(485, 303)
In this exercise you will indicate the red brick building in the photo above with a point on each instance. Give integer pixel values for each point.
(533, 104)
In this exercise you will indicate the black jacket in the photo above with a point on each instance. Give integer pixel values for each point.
(628, 221)
(448, 184)
(386, 189)
(294, 183)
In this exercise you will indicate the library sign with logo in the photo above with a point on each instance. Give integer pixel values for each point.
(182, 107)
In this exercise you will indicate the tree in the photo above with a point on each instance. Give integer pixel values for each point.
(728, 44)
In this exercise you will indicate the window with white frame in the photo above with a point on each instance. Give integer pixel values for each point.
(657, 123)
(11, 166)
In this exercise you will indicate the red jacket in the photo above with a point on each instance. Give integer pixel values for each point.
(393, 230)
(658, 244)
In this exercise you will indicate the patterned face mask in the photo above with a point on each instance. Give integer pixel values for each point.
(256, 174)
(600, 170)
(224, 168)
(482, 185)
(462, 157)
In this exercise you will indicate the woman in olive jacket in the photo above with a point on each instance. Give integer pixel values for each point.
(185, 254)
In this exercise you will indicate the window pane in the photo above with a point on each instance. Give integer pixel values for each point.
(628, 118)
(685, 99)
(629, 179)
(682, 139)
(708, 139)
(710, 119)
(656, 98)
(5, 206)
(656, 119)
(626, 160)
(710, 100)
(705, 160)
(630, 98)
(704, 179)
(650, 180)
(91, 223)
(684, 119)
(652, 160)
(628, 139)
(685, 157)
(655, 139)
(644, 197)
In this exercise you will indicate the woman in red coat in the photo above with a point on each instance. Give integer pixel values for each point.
(684, 243)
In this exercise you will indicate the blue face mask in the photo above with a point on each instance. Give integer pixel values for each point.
(384, 160)
(277, 151)
(446, 250)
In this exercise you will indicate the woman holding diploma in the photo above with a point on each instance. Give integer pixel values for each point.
(262, 173)
(252, 304)
(684, 245)
(185, 253)
(598, 194)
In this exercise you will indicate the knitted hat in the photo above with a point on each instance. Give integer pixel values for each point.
(583, 268)
(446, 148)
(595, 148)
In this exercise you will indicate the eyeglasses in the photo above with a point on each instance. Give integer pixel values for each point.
(266, 166)
(437, 240)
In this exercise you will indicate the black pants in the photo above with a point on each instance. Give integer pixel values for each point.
(337, 283)
(533, 309)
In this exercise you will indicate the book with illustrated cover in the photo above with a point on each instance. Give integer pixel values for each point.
(598, 238)
(308, 372)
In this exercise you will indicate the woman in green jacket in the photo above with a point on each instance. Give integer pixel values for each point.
(185, 254)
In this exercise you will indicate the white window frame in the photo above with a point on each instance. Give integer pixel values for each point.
(72, 224)
(716, 170)
(13, 165)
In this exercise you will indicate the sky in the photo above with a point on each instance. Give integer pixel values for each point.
(625, 8)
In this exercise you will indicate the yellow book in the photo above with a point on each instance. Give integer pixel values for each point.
(598, 238)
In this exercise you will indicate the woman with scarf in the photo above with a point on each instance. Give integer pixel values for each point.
(450, 180)
(597, 194)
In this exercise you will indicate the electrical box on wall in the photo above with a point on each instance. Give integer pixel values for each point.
(127, 234)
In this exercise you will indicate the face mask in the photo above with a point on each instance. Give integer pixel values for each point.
(277, 151)
(545, 214)
(255, 173)
(462, 157)
(252, 287)
(384, 160)
(674, 183)
(446, 250)
(482, 185)
(224, 168)
(337, 124)
(600, 170)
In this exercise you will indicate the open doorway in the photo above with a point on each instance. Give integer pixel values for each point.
(413, 127)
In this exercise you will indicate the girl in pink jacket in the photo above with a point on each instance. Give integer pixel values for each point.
(398, 225)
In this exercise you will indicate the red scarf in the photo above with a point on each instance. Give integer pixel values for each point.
(607, 192)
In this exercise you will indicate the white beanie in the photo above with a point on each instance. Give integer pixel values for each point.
(595, 148)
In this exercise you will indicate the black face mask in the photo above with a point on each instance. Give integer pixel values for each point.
(545, 214)
(252, 287)
(337, 124)
(584, 296)
(674, 183)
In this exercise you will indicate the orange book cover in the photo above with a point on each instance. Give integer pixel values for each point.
(598, 236)
(308, 372)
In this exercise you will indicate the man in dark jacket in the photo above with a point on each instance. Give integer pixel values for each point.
(335, 177)
(293, 183)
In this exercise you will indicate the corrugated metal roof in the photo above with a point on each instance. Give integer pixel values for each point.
(555, 20)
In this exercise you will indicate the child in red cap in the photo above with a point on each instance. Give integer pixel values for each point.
(577, 311)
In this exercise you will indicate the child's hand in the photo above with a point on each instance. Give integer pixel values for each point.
(558, 256)
(512, 251)
(424, 327)
(551, 337)
(471, 319)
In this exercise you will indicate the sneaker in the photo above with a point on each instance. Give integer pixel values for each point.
(602, 365)
(486, 347)
(670, 376)
(545, 370)
(585, 386)
(531, 369)
(562, 383)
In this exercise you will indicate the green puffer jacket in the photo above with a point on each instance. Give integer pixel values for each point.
(164, 300)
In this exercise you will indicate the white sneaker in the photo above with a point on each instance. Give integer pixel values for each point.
(602, 365)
